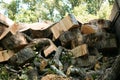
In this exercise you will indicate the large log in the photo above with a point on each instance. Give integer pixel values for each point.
(88, 29)
(37, 30)
(65, 24)
(43, 44)
(78, 37)
(71, 39)
(101, 23)
(6, 25)
(22, 57)
(66, 39)
(14, 41)
(81, 50)
(108, 44)
(95, 26)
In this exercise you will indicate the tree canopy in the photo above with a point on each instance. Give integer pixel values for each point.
(54, 10)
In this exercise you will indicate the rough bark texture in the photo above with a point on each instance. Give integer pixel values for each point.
(114, 72)
(22, 57)
(14, 41)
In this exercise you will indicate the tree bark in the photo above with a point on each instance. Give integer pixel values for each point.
(114, 73)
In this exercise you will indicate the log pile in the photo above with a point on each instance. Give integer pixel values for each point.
(66, 50)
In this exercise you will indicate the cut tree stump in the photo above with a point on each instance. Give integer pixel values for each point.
(65, 24)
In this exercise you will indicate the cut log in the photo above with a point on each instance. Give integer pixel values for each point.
(92, 39)
(22, 57)
(5, 55)
(66, 39)
(50, 49)
(86, 62)
(37, 30)
(40, 34)
(35, 26)
(101, 23)
(91, 29)
(81, 50)
(3, 31)
(14, 41)
(6, 21)
(78, 37)
(1, 56)
(95, 26)
(65, 24)
(87, 29)
(108, 44)
(43, 44)
(71, 39)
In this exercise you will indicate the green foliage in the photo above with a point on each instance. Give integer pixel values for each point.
(12, 9)
(34, 10)
(105, 10)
